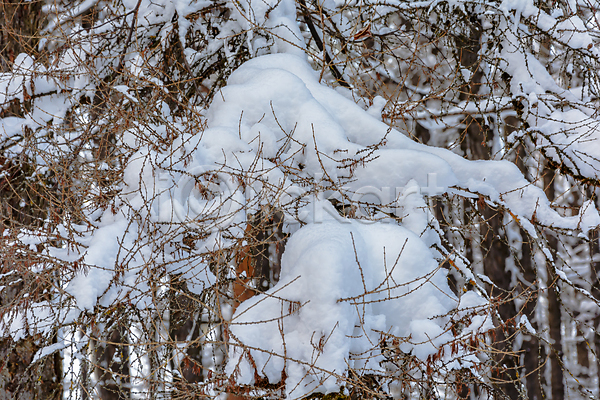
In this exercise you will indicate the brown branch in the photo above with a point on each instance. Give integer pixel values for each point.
(313, 32)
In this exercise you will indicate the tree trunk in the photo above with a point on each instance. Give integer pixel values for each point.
(475, 144)
(554, 309)
(19, 23)
(533, 352)
(186, 336)
(595, 271)
(110, 358)
(259, 262)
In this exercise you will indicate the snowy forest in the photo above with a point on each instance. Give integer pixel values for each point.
(299, 199)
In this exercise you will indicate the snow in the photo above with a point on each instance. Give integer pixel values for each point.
(11, 126)
(562, 276)
(124, 89)
(88, 286)
(340, 286)
(573, 138)
(571, 30)
(524, 322)
(45, 351)
(14, 83)
(315, 126)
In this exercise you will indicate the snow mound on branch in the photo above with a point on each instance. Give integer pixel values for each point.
(341, 286)
(274, 109)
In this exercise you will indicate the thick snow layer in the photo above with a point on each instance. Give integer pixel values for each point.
(341, 285)
(274, 108)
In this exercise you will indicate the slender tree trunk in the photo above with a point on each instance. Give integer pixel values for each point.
(475, 140)
(19, 23)
(595, 271)
(19, 378)
(259, 263)
(110, 358)
(184, 331)
(532, 350)
(554, 309)
(496, 251)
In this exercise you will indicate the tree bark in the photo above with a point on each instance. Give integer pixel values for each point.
(595, 271)
(533, 351)
(184, 330)
(554, 309)
(474, 143)
(19, 23)
(110, 359)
